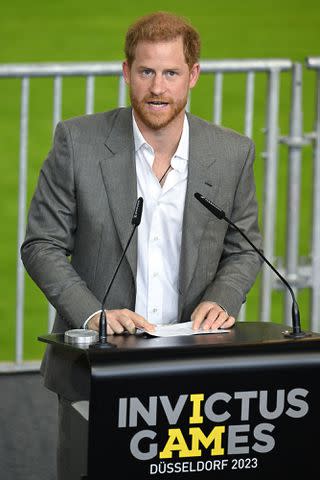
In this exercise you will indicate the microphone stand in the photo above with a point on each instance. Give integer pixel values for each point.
(102, 342)
(295, 313)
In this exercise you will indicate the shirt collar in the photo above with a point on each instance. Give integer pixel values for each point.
(139, 140)
(181, 156)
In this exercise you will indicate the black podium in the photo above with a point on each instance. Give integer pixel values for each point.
(243, 404)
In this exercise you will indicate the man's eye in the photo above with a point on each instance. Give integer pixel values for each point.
(146, 73)
(171, 73)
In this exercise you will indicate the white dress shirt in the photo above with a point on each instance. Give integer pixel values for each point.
(160, 230)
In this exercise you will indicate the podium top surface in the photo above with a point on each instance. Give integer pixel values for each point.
(244, 336)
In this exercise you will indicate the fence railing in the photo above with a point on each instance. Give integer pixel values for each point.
(300, 276)
(314, 64)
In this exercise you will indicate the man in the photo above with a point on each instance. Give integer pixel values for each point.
(183, 264)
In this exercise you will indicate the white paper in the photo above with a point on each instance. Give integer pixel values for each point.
(178, 329)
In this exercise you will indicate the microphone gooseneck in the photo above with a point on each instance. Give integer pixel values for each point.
(136, 219)
(295, 313)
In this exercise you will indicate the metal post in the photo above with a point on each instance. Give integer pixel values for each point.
(293, 193)
(24, 115)
(122, 95)
(57, 100)
(249, 104)
(248, 124)
(217, 99)
(90, 94)
(188, 106)
(315, 302)
(57, 113)
(270, 192)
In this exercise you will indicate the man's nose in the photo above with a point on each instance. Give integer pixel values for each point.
(158, 84)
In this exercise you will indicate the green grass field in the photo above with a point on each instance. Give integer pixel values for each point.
(72, 30)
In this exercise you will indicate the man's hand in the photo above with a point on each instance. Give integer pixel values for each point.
(209, 315)
(120, 321)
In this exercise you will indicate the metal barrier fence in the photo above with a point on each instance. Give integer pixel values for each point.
(300, 277)
(314, 63)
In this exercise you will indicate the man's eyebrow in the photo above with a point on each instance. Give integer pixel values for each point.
(144, 67)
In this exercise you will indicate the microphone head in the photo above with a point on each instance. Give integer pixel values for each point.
(210, 206)
(136, 219)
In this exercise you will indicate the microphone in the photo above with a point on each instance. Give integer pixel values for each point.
(296, 325)
(102, 342)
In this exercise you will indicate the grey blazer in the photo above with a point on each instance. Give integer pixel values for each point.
(80, 219)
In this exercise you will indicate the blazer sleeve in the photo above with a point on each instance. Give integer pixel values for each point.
(50, 233)
(239, 264)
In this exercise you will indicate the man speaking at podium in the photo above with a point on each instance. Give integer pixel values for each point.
(183, 263)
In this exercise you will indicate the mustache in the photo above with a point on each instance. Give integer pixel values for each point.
(157, 99)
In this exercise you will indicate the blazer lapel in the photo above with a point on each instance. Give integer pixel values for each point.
(203, 177)
(119, 176)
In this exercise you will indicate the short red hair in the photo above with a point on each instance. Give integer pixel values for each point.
(163, 26)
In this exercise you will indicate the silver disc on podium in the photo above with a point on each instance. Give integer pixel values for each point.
(81, 336)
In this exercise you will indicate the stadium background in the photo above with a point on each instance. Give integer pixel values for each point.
(80, 31)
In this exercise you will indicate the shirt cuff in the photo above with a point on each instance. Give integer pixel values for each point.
(89, 318)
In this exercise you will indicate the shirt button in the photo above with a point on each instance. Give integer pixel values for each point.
(155, 274)
(154, 310)
(155, 239)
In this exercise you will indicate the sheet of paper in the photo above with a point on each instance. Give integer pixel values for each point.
(178, 329)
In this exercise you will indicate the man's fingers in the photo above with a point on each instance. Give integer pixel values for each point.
(139, 321)
(200, 313)
(215, 318)
(229, 322)
(126, 320)
(144, 324)
(215, 322)
(115, 323)
(209, 315)
(222, 320)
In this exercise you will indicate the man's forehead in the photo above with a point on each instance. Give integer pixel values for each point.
(160, 51)
(176, 43)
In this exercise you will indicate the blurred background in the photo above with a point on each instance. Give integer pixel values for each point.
(81, 31)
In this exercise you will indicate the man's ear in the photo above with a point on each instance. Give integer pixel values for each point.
(194, 75)
(126, 71)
